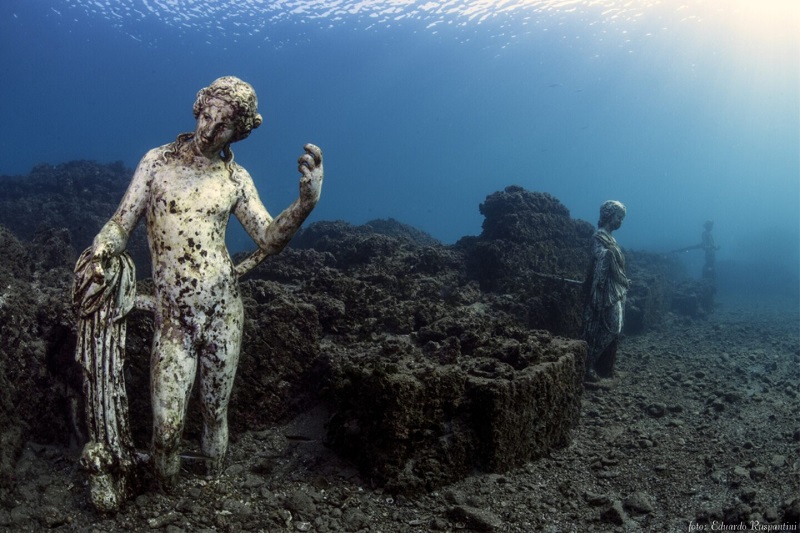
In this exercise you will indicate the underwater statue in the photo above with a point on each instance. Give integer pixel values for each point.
(710, 251)
(186, 192)
(605, 289)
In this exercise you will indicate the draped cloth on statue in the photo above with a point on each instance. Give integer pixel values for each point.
(102, 305)
(606, 287)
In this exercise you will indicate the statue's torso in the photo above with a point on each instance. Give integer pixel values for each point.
(187, 216)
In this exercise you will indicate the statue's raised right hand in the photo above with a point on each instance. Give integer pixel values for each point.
(310, 166)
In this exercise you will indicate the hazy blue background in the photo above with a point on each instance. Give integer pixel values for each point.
(684, 111)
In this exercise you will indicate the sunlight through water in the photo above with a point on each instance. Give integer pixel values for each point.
(509, 19)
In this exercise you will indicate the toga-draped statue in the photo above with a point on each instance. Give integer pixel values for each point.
(709, 250)
(185, 192)
(604, 294)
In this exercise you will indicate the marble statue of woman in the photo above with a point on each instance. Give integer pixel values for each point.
(605, 289)
(186, 192)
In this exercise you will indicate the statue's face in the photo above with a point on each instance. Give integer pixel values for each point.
(616, 219)
(215, 127)
(613, 220)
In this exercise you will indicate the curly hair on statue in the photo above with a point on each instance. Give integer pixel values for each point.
(240, 95)
(608, 210)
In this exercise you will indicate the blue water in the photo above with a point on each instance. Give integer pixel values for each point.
(685, 111)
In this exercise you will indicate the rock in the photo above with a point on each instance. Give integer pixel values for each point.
(791, 513)
(717, 405)
(301, 505)
(355, 519)
(455, 497)
(656, 410)
(415, 425)
(596, 500)
(56, 494)
(771, 514)
(693, 298)
(16, 262)
(758, 472)
(475, 518)
(163, 520)
(778, 461)
(748, 495)
(234, 470)
(614, 514)
(52, 517)
(731, 397)
(439, 524)
(639, 502)
(526, 234)
(739, 513)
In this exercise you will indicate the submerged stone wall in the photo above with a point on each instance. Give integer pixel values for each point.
(528, 241)
(413, 422)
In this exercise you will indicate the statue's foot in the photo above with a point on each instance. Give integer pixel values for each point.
(107, 481)
(214, 466)
(167, 470)
(105, 493)
(167, 484)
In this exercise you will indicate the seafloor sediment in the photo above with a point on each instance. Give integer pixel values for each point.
(699, 426)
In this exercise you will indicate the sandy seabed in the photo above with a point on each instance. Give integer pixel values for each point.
(698, 431)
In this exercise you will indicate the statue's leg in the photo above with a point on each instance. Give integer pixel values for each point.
(604, 366)
(172, 372)
(218, 362)
(590, 334)
(607, 356)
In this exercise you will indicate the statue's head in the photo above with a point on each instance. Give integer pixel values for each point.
(610, 211)
(240, 95)
(709, 225)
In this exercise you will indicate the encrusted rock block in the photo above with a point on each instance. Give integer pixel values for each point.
(521, 418)
(413, 424)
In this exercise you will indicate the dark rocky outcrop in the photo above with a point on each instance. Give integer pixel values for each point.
(529, 240)
(693, 298)
(427, 376)
(78, 196)
(39, 382)
(533, 251)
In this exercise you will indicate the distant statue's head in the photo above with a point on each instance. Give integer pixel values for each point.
(709, 225)
(240, 95)
(611, 211)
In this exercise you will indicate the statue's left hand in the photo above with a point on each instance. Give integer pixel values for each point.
(310, 166)
(100, 257)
